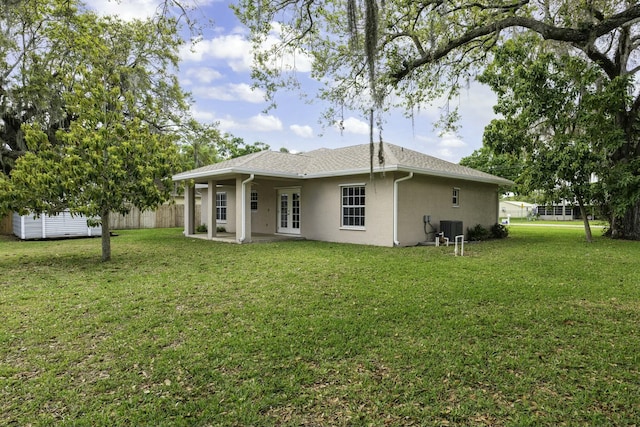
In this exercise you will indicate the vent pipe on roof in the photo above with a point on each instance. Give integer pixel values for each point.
(395, 207)
(243, 237)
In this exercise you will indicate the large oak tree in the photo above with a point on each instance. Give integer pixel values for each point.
(556, 120)
(367, 50)
(31, 72)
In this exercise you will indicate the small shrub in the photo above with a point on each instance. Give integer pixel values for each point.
(203, 229)
(499, 231)
(478, 233)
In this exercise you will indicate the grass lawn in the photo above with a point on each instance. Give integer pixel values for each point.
(538, 329)
(573, 223)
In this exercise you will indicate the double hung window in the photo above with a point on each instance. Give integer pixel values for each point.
(455, 199)
(353, 206)
(254, 200)
(221, 207)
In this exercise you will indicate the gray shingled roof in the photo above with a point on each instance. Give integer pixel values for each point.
(337, 162)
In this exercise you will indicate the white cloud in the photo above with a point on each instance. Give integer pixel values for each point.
(445, 153)
(228, 123)
(430, 140)
(302, 131)
(353, 125)
(264, 123)
(451, 140)
(231, 92)
(234, 49)
(202, 116)
(203, 74)
(448, 145)
(297, 60)
(237, 51)
(129, 10)
(478, 100)
(126, 10)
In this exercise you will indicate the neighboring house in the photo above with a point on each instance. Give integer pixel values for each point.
(328, 195)
(563, 211)
(57, 226)
(515, 209)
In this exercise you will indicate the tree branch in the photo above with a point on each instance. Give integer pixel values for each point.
(635, 107)
(623, 51)
(481, 6)
(607, 65)
(583, 37)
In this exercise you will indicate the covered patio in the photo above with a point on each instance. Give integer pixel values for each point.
(242, 206)
(255, 237)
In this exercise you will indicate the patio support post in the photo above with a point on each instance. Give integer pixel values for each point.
(243, 209)
(189, 209)
(395, 206)
(211, 209)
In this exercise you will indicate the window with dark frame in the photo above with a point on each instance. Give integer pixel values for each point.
(254, 200)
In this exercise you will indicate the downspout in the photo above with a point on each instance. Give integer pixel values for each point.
(395, 207)
(244, 207)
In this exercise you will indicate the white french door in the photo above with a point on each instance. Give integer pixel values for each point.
(289, 211)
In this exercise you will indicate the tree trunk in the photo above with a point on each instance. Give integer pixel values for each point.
(627, 226)
(106, 236)
(585, 218)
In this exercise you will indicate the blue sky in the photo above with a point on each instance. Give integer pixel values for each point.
(216, 70)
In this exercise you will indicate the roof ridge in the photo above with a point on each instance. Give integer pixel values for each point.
(392, 147)
(250, 156)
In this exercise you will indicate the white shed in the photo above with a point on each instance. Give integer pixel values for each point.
(53, 227)
(516, 209)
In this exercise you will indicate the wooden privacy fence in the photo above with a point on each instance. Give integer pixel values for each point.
(6, 225)
(166, 216)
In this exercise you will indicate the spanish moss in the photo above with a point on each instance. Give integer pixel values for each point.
(352, 18)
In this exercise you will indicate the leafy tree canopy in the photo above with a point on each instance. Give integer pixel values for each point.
(423, 48)
(109, 140)
(505, 165)
(202, 145)
(558, 119)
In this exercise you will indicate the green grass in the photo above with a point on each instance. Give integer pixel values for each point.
(538, 329)
(574, 222)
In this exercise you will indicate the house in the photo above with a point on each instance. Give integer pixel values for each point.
(562, 211)
(329, 195)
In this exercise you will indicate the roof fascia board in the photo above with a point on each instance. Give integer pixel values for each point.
(419, 171)
(348, 172)
(487, 180)
(227, 171)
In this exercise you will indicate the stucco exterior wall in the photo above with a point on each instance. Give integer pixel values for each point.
(423, 195)
(230, 223)
(264, 219)
(321, 216)
(321, 210)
